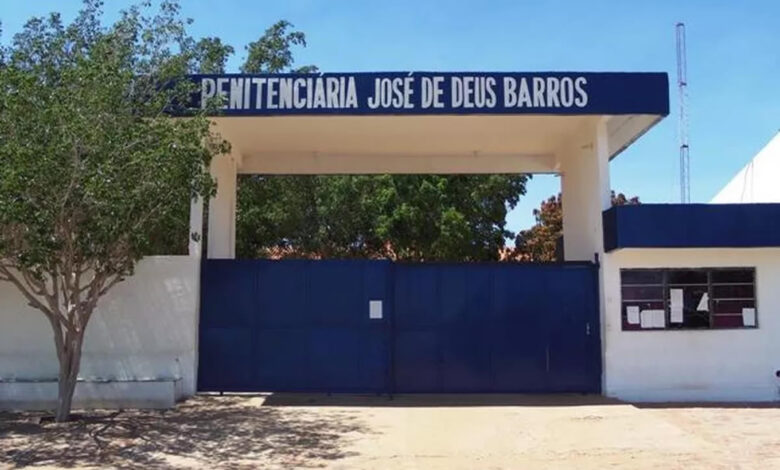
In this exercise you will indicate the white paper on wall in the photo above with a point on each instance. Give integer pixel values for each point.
(632, 312)
(659, 320)
(652, 319)
(704, 304)
(676, 315)
(676, 297)
(375, 309)
(676, 307)
(749, 316)
(646, 319)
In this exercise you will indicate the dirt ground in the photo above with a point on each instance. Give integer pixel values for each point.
(408, 432)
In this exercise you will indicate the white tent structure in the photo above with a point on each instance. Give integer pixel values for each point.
(758, 180)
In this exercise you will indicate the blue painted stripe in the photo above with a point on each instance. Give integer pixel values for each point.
(692, 226)
(434, 93)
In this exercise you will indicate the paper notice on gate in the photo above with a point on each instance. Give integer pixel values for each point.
(749, 317)
(375, 309)
(632, 314)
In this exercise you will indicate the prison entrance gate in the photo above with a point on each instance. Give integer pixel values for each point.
(384, 327)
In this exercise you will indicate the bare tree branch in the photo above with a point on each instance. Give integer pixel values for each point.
(114, 281)
(35, 285)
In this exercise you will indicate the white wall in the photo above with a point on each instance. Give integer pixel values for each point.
(222, 208)
(145, 329)
(709, 365)
(585, 192)
(757, 181)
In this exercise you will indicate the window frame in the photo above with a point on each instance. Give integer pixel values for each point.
(666, 287)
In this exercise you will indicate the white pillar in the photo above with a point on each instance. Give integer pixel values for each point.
(222, 209)
(196, 227)
(585, 192)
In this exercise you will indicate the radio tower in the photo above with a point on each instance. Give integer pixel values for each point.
(682, 86)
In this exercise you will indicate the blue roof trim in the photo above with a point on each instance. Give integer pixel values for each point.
(438, 93)
(692, 226)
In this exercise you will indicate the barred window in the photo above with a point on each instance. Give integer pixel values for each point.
(701, 298)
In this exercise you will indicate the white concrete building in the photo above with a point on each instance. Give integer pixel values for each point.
(682, 296)
(729, 364)
(758, 180)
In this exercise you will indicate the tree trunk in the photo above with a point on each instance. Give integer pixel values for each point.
(70, 359)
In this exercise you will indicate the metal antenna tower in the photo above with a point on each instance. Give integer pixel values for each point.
(682, 86)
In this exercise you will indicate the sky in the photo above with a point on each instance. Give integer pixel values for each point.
(733, 63)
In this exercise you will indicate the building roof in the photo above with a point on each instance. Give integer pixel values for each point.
(426, 122)
(758, 180)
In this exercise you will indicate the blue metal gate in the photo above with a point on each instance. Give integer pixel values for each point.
(451, 327)
(497, 328)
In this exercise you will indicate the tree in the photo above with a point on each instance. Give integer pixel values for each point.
(402, 217)
(272, 52)
(409, 217)
(91, 163)
(544, 241)
(208, 55)
(211, 55)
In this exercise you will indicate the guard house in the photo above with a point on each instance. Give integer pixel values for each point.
(652, 302)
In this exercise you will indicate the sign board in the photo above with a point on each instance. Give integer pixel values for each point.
(421, 93)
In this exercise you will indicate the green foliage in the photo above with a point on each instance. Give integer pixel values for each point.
(208, 55)
(272, 52)
(89, 159)
(211, 55)
(543, 241)
(404, 217)
(409, 217)
(93, 170)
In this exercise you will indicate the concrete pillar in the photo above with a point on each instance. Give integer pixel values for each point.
(222, 209)
(196, 227)
(584, 167)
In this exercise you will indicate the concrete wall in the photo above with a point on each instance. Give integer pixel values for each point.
(710, 365)
(222, 208)
(585, 192)
(756, 181)
(140, 346)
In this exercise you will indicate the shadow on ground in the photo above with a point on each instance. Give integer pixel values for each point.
(434, 400)
(711, 404)
(205, 432)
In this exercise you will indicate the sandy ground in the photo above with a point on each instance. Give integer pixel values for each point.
(412, 432)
